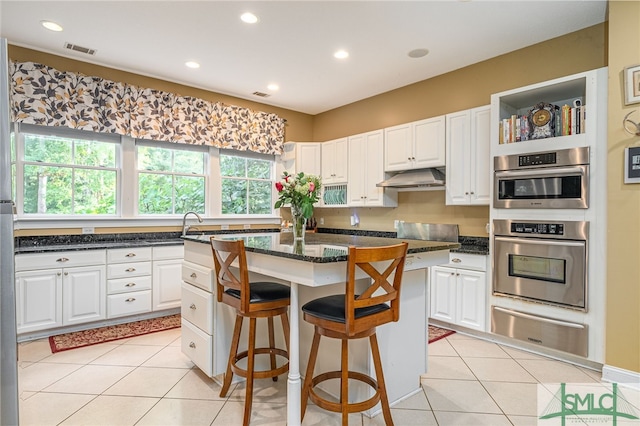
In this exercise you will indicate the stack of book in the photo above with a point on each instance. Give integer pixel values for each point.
(566, 120)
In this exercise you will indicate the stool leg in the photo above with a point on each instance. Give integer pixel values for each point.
(285, 328)
(250, 367)
(272, 344)
(344, 383)
(308, 376)
(237, 329)
(384, 400)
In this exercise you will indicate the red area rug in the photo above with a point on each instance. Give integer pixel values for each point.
(437, 333)
(79, 339)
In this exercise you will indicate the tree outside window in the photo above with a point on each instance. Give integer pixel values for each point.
(246, 185)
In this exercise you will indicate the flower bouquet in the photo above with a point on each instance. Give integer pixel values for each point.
(300, 192)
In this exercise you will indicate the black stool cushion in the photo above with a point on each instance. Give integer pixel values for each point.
(263, 292)
(332, 308)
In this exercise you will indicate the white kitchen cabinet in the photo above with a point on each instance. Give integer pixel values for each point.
(302, 157)
(468, 162)
(50, 295)
(366, 169)
(415, 145)
(38, 300)
(167, 277)
(334, 161)
(128, 269)
(458, 294)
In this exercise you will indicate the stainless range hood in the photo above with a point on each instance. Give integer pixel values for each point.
(415, 180)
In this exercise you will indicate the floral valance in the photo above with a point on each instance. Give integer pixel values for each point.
(45, 96)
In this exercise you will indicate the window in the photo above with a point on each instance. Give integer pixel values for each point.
(247, 182)
(171, 180)
(68, 175)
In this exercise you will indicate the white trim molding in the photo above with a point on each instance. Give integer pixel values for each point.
(621, 376)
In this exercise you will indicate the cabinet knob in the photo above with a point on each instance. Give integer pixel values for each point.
(130, 284)
(193, 306)
(413, 158)
(466, 193)
(130, 255)
(131, 299)
(66, 273)
(59, 273)
(456, 260)
(409, 158)
(62, 260)
(472, 192)
(193, 275)
(458, 274)
(453, 273)
(130, 269)
(192, 345)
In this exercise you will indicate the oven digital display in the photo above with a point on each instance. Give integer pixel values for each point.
(538, 268)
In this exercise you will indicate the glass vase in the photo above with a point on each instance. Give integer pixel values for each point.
(299, 223)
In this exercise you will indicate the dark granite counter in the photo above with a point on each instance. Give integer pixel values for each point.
(321, 247)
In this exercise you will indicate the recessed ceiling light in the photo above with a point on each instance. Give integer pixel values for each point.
(192, 64)
(341, 54)
(273, 87)
(52, 26)
(418, 53)
(249, 18)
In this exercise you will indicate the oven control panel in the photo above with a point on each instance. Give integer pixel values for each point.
(537, 228)
(537, 159)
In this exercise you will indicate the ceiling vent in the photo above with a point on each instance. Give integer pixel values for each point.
(80, 49)
(262, 95)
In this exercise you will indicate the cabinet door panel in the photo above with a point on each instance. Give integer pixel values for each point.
(341, 162)
(458, 158)
(429, 143)
(398, 148)
(167, 281)
(443, 294)
(480, 156)
(38, 300)
(471, 301)
(374, 170)
(85, 292)
(357, 161)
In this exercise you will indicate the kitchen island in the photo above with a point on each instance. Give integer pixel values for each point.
(316, 269)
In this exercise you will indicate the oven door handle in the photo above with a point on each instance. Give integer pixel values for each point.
(546, 172)
(540, 241)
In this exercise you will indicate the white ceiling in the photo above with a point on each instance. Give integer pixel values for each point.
(293, 42)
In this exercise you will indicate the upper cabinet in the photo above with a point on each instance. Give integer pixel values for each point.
(366, 170)
(302, 157)
(557, 114)
(334, 161)
(416, 145)
(468, 162)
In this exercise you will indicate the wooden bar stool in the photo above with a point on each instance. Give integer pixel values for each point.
(250, 300)
(356, 316)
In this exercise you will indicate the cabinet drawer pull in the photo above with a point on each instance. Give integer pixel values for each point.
(192, 345)
(456, 260)
(130, 284)
(62, 260)
(130, 269)
(193, 275)
(131, 299)
(193, 306)
(130, 255)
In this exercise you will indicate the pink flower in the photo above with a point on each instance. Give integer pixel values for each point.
(286, 177)
(312, 186)
(279, 186)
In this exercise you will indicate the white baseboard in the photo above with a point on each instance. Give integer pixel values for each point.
(622, 377)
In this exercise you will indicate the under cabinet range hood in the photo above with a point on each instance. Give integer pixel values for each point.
(415, 180)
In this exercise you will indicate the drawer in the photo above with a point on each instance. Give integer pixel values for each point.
(468, 261)
(197, 307)
(197, 345)
(137, 302)
(59, 259)
(125, 255)
(123, 270)
(168, 252)
(124, 285)
(198, 275)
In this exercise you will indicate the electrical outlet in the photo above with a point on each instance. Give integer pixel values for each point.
(322, 221)
(224, 227)
(395, 224)
(88, 230)
(488, 228)
(246, 226)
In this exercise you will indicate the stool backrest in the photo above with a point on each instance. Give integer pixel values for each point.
(381, 290)
(225, 252)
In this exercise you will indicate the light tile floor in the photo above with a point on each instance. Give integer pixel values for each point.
(148, 381)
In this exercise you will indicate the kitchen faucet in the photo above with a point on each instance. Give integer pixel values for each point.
(186, 227)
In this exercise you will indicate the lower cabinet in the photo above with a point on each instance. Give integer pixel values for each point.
(458, 295)
(167, 271)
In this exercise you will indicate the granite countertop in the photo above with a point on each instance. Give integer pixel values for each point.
(43, 244)
(321, 247)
